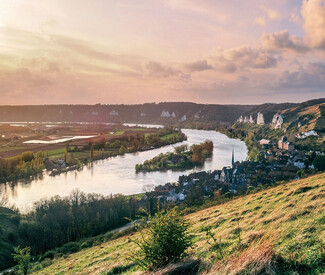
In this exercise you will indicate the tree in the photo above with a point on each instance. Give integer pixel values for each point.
(92, 151)
(180, 149)
(167, 241)
(22, 257)
(319, 162)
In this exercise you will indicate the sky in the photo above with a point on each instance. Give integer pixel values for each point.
(129, 52)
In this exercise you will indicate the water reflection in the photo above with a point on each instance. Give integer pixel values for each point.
(117, 175)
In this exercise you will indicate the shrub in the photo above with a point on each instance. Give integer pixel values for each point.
(48, 254)
(68, 248)
(167, 240)
(319, 163)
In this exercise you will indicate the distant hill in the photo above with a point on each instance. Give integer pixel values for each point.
(282, 231)
(164, 112)
(169, 112)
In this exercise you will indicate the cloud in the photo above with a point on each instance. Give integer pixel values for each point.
(269, 15)
(241, 58)
(311, 76)
(272, 14)
(157, 70)
(260, 21)
(295, 18)
(282, 40)
(198, 66)
(313, 13)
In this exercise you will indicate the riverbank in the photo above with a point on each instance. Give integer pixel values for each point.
(117, 174)
(73, 154)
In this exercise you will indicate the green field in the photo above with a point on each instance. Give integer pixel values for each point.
(168, 136)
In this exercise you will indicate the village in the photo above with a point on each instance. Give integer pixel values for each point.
(280, 162)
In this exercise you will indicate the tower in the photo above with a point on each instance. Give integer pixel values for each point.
(233, 157)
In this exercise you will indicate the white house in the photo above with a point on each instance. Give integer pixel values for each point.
(183, 118)
(300, 164)
(113, 113)
(165, 114)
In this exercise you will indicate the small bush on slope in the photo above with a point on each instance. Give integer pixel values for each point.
(166, 241)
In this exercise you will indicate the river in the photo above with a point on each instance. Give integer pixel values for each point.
(117, 175)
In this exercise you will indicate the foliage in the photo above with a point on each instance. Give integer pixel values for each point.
(23, 257)
(319, 162)
(167, 240)
(182, 158)
(62, 221)
(24, 165)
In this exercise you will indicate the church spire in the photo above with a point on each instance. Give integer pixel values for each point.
(233, 157)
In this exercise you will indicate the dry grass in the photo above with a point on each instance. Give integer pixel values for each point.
(286, 222)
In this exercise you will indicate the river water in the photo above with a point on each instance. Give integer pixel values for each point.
(117, 175)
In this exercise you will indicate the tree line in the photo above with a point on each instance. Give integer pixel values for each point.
(60, 220)
(21, 166)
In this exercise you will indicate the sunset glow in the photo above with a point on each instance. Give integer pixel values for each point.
(207, 51)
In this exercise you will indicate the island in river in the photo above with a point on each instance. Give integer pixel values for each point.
(182, 158)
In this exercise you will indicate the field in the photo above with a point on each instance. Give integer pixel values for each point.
(13, 143)
(280, 229)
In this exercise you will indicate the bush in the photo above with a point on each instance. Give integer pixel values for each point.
(319, 162)
(120, 269)
(68, 248)
(48, 254)
(87, 243)
(167, 240)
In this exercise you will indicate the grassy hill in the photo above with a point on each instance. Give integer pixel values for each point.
(281, 229)
(297, 118)
(310, 117)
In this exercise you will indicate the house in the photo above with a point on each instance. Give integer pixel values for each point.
(113, 113)
(264, 142)
(299, 163)
(183, 118)
(165, 114)
(238, 176)
(226, 175)
(284, 144)
(181, 196)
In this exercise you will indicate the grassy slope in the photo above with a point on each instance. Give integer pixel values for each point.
(288, 220)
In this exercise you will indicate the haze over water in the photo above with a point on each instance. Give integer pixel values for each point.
(117, 175)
